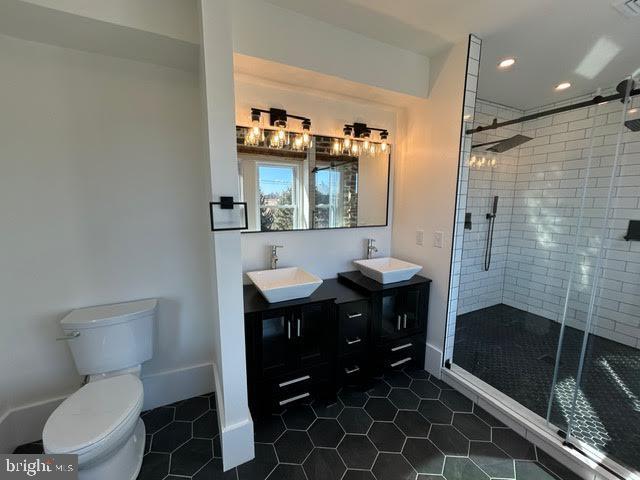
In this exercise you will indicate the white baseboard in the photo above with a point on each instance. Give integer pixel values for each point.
(24, 424)
(236, 440)
(433, 362)
(171, 386)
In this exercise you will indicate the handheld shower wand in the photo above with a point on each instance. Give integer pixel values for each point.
(488, 247)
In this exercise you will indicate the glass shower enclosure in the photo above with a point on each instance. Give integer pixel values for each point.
(548, 308)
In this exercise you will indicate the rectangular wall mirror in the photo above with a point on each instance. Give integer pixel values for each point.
(289, 189)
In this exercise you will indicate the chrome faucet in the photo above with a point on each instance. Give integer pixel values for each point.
(274, 256)
(371, 248)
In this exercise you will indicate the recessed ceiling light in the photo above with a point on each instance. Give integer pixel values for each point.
(507, 62)
(563, 86)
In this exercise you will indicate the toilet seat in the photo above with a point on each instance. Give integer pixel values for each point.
(96, 419)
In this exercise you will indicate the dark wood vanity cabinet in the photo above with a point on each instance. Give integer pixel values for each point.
(345, 332)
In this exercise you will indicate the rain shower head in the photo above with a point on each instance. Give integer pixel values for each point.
(501, 146)
(633, 125)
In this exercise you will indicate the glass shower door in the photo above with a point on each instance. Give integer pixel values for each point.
(595, 394)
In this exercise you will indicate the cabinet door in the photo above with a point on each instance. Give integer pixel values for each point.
(276, 342)
(412, 310)
(390, 315)
(311, 326)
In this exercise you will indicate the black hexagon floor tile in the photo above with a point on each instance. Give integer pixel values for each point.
(154, 466)
(386, 437)
(355, 420)
(397, 379)
(425, 389)
(191, 457)
(423, 456)
(191, 408)
(358, 475)
(472, 427)
(325, 409)
(492, 460)
(513, 444)
(404, 399)
(379, 388)
(393, 466)
(157, 418)
(171, 437)
(456, 401)
(206, 426)
(459, 468)
(449, 440)
(353, 397)
(326, 432)
(293, 446)
(532, 471)
(412, 423)
(381, 409)
(299, 417)
(357, 452)
(435, 411)
(324, 464)
(288, 472)
(268, 429)
(261, 466)
(213, 471)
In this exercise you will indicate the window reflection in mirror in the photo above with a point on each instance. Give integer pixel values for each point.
(287, 189)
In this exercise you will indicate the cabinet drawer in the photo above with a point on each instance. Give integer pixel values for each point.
(298, 386)
(353, 326)
(352, 370)
(402, 353)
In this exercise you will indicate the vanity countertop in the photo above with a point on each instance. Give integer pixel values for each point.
(331, 289)
(370, 285)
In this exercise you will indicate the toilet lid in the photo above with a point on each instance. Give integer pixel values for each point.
(92, 413)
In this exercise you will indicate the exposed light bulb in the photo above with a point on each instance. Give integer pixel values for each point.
(354, 148)
(384, 146)
(347, 142)
(336, 147)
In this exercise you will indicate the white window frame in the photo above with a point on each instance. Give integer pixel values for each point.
(296, 194)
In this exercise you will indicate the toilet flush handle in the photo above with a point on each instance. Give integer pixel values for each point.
(69, 336)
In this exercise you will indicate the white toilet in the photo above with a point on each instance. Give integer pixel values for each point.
(101, 421)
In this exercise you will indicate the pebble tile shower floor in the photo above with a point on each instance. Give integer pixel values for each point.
(407, 426)
(514, 351)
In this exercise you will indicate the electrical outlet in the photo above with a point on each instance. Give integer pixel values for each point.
(419, 237)
(437, 239)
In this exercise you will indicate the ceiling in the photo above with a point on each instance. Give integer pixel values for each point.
(549, 38)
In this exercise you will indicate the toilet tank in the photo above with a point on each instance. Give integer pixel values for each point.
(111, 337)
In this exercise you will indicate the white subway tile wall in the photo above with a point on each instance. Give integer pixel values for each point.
(540, 188)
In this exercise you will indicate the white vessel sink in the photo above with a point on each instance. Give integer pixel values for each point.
(387, 269)
(284, 283)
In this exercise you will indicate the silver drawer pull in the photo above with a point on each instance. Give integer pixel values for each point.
(70, 335)
(400, 362)
(402, 347)
(405, 321)
(354, 341)
(293, 399)
(398, 328)
(352, 370)
(354, 315)
(295, 380)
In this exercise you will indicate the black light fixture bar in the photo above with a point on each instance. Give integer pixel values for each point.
(587, 103)
(278, 116)
(360, 129)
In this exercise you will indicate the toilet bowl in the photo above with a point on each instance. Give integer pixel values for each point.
(100, 422)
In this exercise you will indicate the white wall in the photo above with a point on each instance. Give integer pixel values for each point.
(323, 252)
(426, 180)
(266, 31)
(102, 199)
(480, 288)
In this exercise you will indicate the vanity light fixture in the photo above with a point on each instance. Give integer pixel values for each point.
(563, 86)
(507, 63)
(278, 136)
(357, 139)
